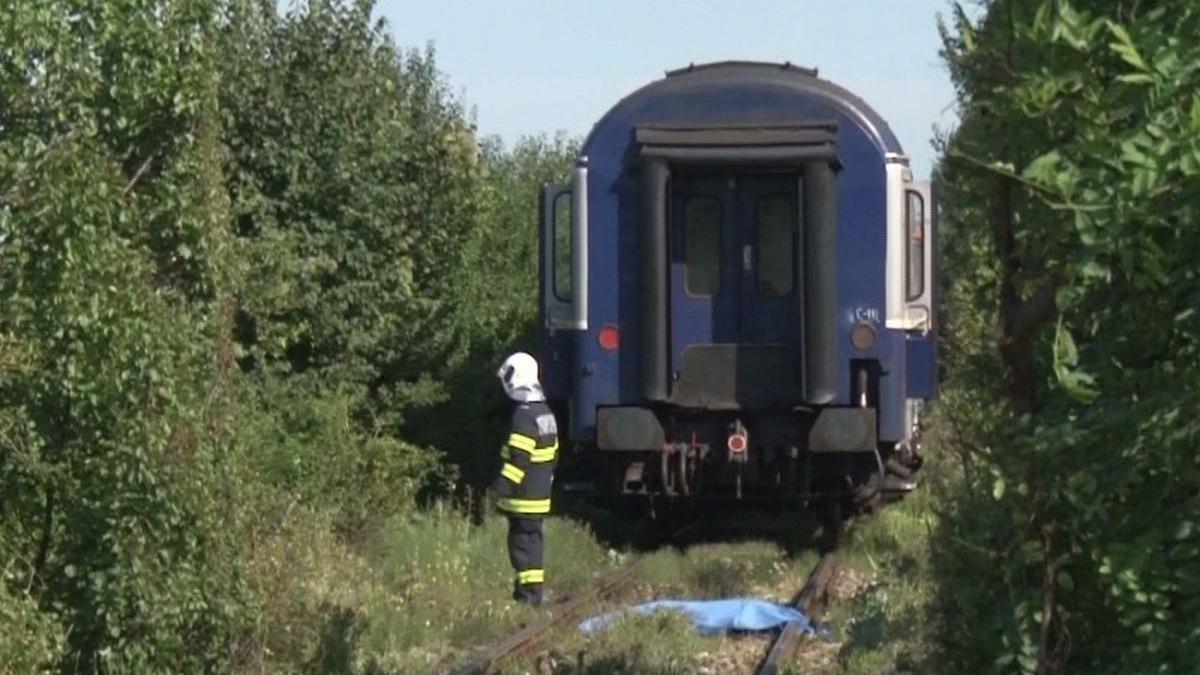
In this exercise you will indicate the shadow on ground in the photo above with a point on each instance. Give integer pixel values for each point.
(794, 529)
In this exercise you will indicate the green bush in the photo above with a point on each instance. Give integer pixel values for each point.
(1072, 185)
(30, 640)
(112, 389)
(306, 445)
(228, 245)
(495, 300)
(354, 184)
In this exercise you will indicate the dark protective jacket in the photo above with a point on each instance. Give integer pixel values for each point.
(529, 456)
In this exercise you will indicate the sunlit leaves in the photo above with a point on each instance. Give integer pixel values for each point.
(1066, 361)
(355, 183)
(109, 460)
(1125, 47)
(1095, 104)
(136, 138)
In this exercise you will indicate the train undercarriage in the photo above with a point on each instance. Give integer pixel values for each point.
(752, 459)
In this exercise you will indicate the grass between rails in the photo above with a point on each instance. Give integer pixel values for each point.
(423, 593)
(735, 554)
(877, 606)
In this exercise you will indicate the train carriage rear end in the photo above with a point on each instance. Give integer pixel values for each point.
(737, 292)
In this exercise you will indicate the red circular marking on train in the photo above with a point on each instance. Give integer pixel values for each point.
(610, 338)
(737, 443)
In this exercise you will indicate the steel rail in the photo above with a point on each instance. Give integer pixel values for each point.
(809, 600)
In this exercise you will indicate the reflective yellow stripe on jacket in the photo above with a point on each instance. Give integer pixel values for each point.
(522, 442)
(536, 455)
(514, 505)
(542, 455)
(513, 473)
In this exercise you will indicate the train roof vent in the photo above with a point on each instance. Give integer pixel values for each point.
(786, 65)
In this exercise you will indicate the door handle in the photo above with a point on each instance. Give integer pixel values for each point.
(747, 257)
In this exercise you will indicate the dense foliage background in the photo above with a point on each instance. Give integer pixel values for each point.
(1070, 537)
(238, 251)
(257, 270)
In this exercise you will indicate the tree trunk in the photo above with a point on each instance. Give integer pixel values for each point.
(1048, 661)
(1015, 349)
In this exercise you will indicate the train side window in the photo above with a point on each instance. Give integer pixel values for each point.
(562, 246)
(776, 245)
(914, 225)
(702, 246)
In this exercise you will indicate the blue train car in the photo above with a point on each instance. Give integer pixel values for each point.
(738, 291)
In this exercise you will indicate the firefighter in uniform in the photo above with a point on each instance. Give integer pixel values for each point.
(527, 473)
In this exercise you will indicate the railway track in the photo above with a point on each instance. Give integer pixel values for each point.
(810, 599)
(813, 595)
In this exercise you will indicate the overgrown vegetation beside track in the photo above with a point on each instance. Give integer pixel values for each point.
(237, 252)
(1062, 521)
(1070, 541)
(420, 594)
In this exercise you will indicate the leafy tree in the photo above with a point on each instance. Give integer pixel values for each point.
(112, 383)
(354, 179)
(252, 264)
(495, 300)
(1071, 196)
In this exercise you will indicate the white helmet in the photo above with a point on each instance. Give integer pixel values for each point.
(519, 376)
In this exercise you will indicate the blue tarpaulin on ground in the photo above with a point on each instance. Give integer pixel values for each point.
(715, 616)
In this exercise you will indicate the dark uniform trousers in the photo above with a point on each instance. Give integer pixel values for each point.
(526, 477)
(525, 553)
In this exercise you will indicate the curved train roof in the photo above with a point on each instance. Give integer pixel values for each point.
(783, 75)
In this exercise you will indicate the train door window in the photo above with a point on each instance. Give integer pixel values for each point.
(702, 245)
(774, 216)
(914, 216)
(562, 246)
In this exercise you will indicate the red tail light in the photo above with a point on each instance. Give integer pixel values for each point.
(610, 338)
(737, 443)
